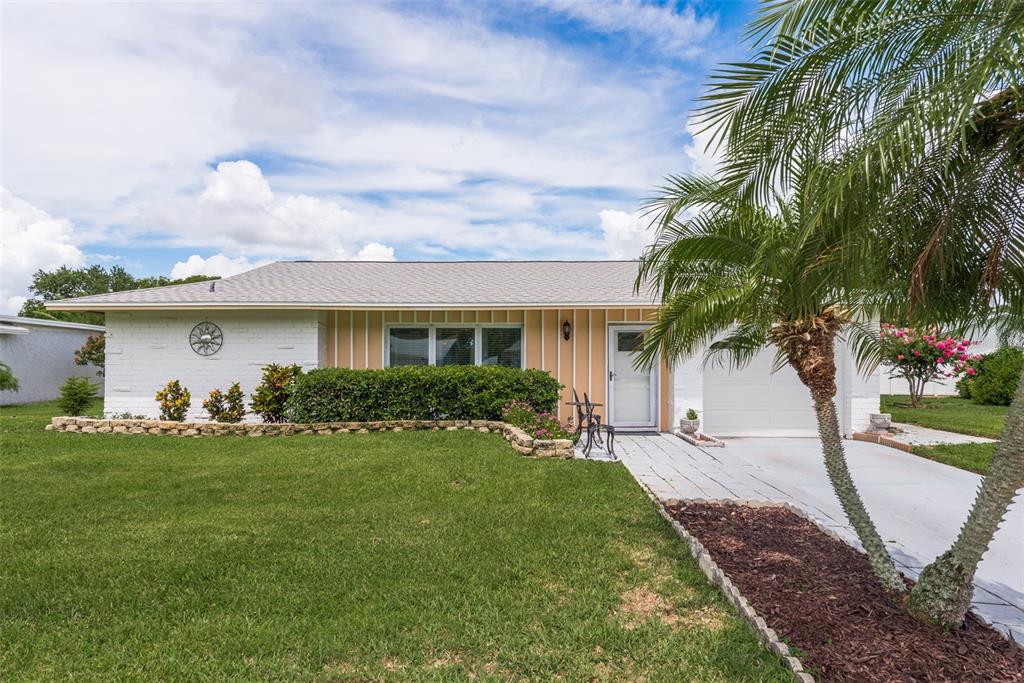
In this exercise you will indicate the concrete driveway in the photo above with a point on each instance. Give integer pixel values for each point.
(917, 504)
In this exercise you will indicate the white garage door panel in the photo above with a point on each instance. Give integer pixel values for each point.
(755, 402)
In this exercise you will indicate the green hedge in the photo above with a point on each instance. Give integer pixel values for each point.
(997, 378)
(454, 392)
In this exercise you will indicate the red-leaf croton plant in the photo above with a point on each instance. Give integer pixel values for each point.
(920, 357)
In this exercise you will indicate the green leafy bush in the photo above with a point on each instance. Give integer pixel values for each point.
(8, 382)
(691, 414)
(76, 394)
(453, 392)
(539, 425)
(996, 377)
(175, 401)
(229, 407)
(270, 399)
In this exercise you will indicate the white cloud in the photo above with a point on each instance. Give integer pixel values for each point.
(30, 239)
(218, 264)
(703, 156)
(673, 29)
(375, 251)
(625, 234)
(238, 212)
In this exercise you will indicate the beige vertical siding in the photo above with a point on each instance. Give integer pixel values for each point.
(356, 339)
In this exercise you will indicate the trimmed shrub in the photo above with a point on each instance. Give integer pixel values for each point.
(76, 394)
(270, 399)
(996, 378)
(453, 392)
(8, 382)
(229, 407)
(175, 401)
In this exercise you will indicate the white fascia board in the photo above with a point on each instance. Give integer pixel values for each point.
(95, 306)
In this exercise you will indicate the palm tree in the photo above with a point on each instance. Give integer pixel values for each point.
(737, 277)
(921, 106)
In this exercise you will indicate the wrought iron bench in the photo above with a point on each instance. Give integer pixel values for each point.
(587, 419)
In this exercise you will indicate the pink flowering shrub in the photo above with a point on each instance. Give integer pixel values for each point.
(920, 357)
(539, 425)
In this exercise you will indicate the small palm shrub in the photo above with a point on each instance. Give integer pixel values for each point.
(76, 394)
(174, 400)
(226, 407)
(8, 382)
(270, 399)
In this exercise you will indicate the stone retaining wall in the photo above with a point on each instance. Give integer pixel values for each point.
(520, 441)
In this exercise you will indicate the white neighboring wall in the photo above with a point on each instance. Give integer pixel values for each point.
(41, 354)
(754, 401)
(146, 349)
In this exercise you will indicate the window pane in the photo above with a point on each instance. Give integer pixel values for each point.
(630, 341)
(455, 346)
(503, 346)
(408, 346)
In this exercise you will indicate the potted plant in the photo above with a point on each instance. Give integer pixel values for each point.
(690, 423)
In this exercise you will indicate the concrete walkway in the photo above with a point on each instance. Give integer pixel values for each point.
(917, 504)
(926, 436)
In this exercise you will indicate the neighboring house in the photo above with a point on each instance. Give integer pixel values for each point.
(41, 354)
(578, 320)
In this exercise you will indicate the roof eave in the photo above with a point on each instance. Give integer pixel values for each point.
(72, 305)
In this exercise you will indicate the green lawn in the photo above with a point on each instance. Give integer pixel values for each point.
(408, 556)
(951, 413)
(973, 457)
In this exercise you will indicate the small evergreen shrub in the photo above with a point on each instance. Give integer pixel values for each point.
(996, 377)
(76, 394)
(453, 392)
(270, 399)
(539, 425)
(8, 382)
(174, 400)
(226, 407)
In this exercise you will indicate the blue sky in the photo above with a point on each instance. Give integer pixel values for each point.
(182, 139)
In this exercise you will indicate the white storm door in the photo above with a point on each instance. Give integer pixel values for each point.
(632, 393)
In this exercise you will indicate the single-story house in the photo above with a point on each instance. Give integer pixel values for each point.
(578, 320)
(41, 354)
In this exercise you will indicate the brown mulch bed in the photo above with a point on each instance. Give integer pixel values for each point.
(819, 594)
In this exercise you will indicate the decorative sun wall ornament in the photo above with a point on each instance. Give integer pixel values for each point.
(205, 339)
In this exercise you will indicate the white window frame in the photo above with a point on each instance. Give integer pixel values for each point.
(478, 346)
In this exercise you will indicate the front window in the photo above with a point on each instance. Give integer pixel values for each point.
(455, 345)
(502, 346)
(409, 346)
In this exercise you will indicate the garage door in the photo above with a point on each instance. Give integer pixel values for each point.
(756, 402)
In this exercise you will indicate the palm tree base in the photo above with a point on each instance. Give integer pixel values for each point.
(943, 593)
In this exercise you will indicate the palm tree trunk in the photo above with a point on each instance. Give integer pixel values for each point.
(943, 593)
(846, 491)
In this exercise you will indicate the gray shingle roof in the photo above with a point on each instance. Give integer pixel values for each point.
(374, 284)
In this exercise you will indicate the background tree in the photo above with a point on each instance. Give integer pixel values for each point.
(93, 352)
(67, 283)
(8, 382)
(737, 277)
(921, 105)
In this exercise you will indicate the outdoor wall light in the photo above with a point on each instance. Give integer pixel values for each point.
(566, 330)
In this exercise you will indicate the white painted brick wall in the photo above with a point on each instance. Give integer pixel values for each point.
(147, 349)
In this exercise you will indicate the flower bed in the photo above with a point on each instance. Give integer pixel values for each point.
(520, 441)
(820, 594)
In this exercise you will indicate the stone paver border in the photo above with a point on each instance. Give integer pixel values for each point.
(519, 440)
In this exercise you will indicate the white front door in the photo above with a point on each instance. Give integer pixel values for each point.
(632, 393)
